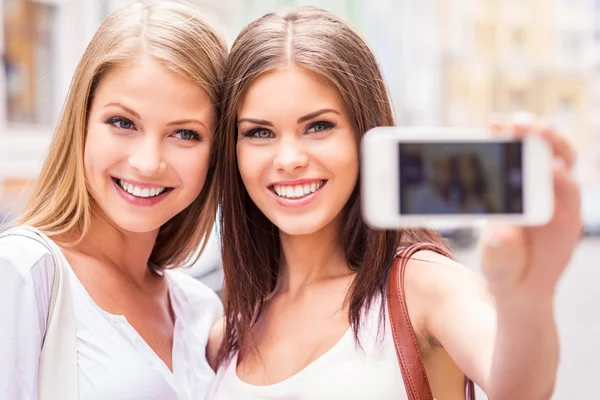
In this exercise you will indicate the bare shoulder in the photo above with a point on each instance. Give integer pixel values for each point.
(433, 274)
(433, 283)
(215, 339)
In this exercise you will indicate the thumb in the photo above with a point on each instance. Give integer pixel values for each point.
(503, 256)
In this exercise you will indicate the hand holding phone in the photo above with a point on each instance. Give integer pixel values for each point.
(522, 264)
(427, 176)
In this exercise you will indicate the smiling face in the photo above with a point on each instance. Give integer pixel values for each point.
(297, 152)
(148, 145)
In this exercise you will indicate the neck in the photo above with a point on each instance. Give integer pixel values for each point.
(128, 252)
(309, 259)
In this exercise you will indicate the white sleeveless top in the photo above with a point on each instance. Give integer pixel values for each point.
(344, 372)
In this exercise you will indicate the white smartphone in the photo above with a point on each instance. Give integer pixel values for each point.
(443, 177)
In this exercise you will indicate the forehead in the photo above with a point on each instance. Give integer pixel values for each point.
(289, 89)
(147, 82)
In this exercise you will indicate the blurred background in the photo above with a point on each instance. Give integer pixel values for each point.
(447, 62)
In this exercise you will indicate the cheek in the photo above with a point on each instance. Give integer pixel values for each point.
(249, 164)
(192, 167)
(98, 153)
(343, 158)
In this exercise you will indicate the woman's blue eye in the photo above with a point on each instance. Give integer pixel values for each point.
(120, 122)
(259, 133)
(186, 134)
(320, 126)
(263, 134)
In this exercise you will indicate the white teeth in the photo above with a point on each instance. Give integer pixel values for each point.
(141, 192)
(297, 191)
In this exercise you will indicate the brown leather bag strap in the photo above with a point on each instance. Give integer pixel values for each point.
(407, 348)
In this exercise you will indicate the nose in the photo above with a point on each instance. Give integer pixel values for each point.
(146, 156)
(290, 155)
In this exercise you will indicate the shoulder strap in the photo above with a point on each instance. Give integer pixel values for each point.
(30, 233)
(407, 348)
(58, 370)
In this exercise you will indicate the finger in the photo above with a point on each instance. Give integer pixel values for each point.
(523, 123)
(496, 123)
(503, 255)
(566, 193)
(561, 147)
(516, 126)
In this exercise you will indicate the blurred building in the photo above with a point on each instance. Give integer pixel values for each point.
(446, 62)
(404, 34)
(41, 42)
(502, 56)
(594, 90)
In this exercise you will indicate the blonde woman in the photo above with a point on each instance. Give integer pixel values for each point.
(127, 190)
(306, 280)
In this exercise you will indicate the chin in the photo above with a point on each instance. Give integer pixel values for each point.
(136, 224)
(300, 225)
(134, 219)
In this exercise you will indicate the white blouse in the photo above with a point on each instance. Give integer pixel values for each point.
(114, 361)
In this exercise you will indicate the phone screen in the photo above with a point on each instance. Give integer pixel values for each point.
(461, 178)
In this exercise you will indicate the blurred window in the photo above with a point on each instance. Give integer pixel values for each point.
(518, 37)
(565, 114)
(28, 60)
(571, 44)
(517, 100)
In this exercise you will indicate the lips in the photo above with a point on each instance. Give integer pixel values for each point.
(297, 191)
(142, 192)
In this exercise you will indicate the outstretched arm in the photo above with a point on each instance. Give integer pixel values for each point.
(503, 335)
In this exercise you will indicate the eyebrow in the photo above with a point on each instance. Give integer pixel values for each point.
(124, 107)
(135, 114)
(302, 119)
(256, 121)
(315, 114)
(187, 121)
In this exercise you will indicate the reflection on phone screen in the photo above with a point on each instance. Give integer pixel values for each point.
(461, 178)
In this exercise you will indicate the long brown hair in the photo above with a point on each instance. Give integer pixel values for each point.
(319, 42)
(178, 36)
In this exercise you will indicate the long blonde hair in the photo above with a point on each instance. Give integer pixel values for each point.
(179, 37)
